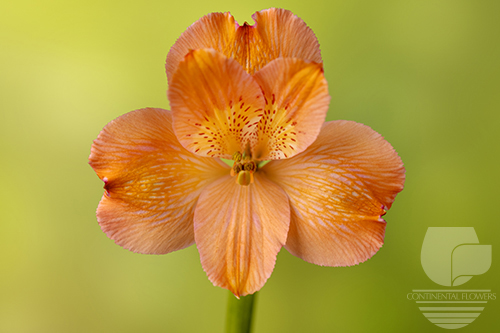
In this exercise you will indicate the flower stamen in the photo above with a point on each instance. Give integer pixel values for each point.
(250, 166)
(243, 167)
(237, 167)
(237, 156)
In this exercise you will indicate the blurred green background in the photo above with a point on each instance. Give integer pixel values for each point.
(424, 74)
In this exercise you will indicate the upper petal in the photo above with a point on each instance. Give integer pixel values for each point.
(215, 104)
(284, 35)
(151, 182)
(297, 99)
(239, 230)
(215, 30)
(277, 33)
(338, 189)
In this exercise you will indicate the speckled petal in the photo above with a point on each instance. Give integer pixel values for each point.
(297, 99)
(216, 105)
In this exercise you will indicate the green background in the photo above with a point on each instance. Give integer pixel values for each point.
(424, 74)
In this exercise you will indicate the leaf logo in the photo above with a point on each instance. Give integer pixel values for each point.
(452, 256)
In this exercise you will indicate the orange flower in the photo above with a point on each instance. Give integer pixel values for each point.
(321, 196)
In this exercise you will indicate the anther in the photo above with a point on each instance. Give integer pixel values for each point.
(237, 156)
(237, 167)
(250, 166)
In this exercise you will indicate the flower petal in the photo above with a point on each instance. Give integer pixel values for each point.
(338, 189)
(284, 35)
(296, 96)
(215, 30)
(215, 104)
(151, 182)
(277, 33)
(239, 230)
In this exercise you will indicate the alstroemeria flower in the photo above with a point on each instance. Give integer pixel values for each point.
(321, 196)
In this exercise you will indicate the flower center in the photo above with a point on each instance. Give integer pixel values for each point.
(243, 168)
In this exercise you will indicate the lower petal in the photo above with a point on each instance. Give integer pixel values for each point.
(239, 230)
(339, 188)
(152, 183)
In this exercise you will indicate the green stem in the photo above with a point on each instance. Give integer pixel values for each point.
(239, 313)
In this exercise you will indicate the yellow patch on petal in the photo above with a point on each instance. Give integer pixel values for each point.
(339, 188)
(297, 99)
(152, 183)
(239, 230)
(215, 104)
(277, 33)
